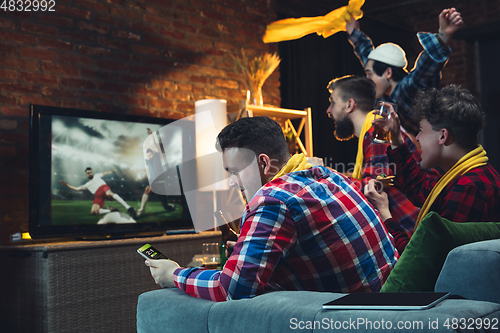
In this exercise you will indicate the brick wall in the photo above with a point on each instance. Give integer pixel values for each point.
(148, 57)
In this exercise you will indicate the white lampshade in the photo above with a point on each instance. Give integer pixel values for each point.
(210, 119)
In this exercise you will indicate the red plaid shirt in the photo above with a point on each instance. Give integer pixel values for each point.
(472, 197)
(376, 163)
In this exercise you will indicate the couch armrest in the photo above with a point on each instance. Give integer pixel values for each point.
(472, 271)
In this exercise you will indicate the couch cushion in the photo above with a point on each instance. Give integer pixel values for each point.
(465, 264)
(424, 256)
(170, 310)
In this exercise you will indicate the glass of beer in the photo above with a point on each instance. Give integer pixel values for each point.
(380, 132)
(211, 255)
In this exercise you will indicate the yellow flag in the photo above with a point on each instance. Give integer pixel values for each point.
(325, 26)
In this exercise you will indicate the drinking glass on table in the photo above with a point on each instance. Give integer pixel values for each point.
(380, 131)
(211, 255)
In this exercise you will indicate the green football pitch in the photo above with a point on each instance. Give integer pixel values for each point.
(68, 212)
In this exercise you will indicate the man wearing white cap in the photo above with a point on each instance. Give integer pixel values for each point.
(386, 64)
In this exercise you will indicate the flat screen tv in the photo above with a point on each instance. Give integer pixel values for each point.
(90, 174)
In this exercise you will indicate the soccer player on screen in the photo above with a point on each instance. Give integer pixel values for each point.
(98, 187)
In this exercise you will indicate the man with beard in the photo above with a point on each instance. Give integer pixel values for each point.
(351, 102)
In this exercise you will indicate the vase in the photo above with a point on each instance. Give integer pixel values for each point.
(254, 96)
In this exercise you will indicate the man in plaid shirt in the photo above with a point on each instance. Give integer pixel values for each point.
(351, 101)
(386, 65)
(451, 120)
(308, 229)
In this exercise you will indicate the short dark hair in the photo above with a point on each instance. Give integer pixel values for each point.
(452, 108)
(262, 135)
(398, 73)
(359, 88)
(88, 168)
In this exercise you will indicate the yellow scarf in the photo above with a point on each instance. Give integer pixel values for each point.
(325, 26)
(358, 167)
(471, 160)
(296, 163)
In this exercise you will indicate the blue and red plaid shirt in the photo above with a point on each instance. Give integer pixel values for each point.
(472, 197)
(307, 230)
(425, 74)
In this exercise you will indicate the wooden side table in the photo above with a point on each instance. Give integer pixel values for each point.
(82, 286)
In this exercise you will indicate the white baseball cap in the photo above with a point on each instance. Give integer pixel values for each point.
(389, 53)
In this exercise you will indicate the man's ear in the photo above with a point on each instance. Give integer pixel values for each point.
(445, 137)
(388, 73)
(350, 105)
(264, 163)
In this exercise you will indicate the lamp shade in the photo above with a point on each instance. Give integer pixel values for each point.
(210, 119)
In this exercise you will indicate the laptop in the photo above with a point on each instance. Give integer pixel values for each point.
(387, 301)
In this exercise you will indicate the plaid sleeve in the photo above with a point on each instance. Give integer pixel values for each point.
(266, 235)
(412, 180)
(362, 45)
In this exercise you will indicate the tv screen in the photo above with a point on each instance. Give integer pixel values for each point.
(91, 174)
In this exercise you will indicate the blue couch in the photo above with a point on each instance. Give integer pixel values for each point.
(471, 271)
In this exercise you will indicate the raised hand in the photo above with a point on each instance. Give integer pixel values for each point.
(450, 21)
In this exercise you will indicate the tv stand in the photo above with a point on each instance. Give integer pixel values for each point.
(82, 286)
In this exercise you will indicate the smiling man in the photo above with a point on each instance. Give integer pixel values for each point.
(304, 228)
(469, 191)
(386, 64)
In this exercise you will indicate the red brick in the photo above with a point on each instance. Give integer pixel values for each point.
(27, 100)
(156, 20)
(39, 29)
(31, 52)
(110, 108)
(176, 76)
(209, 33)
(156, 40)
(144, 70)
(134, 26)
(38, 78)
(142, 49)
(78, 105)
(161, 84)
(88, 50)
(199, 21)
(8, 74)
(75, 59)
(160, 103)
(198, 79)
(94, 5)
(113, 87)
(7, 49)
(92, 95)
(114, 44)
(160, 63)
(126, 35)
(15, 111)
(143, 112)
(185, 87)
(88, 26)
(176, 95)
(211, 15)
(145, 91)
(187, 47)
(184, 27)
(56, 44)
(61, 69)
(131, 100)
(4, 23)
(6, 124)
(125, 13)
(16, 37)
(88, 73)
(19, 88)
(112, 65)
(173, 34)
(62, 93)
(6, 99)
(78, 83)
(54, 19)
(71, 11)
(78, 36)
(104, 18)
(133, 80)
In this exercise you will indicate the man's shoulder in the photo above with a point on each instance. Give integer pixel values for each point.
(484, 177)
